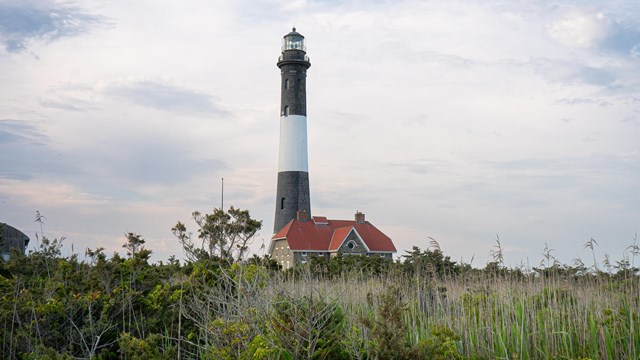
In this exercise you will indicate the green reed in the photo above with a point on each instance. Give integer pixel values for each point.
(591, 316)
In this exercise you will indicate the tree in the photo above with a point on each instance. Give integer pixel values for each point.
(386, 325)
(226, 235)
(429, 262)
(1, 237)
(134, 243)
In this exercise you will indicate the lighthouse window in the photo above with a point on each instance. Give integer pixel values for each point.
(286, 84)
(282, 204)
(286, 111)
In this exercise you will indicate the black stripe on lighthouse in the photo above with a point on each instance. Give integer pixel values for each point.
(292, 193)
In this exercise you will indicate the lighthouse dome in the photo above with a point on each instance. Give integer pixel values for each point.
(293, 41)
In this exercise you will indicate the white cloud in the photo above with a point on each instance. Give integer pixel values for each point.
(23, 22)
(161, 96)
(581, 29)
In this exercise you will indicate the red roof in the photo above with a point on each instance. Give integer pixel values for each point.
(338, 237)
(309, 235)
(320, 220)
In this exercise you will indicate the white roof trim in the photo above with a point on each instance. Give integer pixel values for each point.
(320, 222)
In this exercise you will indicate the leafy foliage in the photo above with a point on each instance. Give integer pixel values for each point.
(226, 235)
(219, 305)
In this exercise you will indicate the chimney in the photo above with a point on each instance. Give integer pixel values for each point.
(359, 217)
(302, 215)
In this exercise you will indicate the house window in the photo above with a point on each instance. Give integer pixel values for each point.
(286, 111)
(320, 254)
(281, 203)
(351, 244)
(304, 253)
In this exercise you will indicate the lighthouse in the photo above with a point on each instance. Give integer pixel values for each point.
(298, 236)
(292, 194)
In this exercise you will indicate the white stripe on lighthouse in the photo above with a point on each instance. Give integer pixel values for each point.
(293, 143)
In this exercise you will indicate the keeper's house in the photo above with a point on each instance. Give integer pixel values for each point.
(11, 238)
(304, 237)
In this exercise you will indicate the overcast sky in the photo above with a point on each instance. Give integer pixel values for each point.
(457, 120)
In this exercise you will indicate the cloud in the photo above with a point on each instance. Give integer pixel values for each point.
(61, 105)
(595, 30)
(22, 22)
(136, 165)
(603, 178)
(24, 152)
(581, 29)
(623, 164)
(14, 131)
(532, 183)
(38, 192)
(569, 73)
(575, 101)
(635, 120)
(156, 162)
(165, 97)
(422, 166)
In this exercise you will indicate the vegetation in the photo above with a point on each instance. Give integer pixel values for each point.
(221, 305)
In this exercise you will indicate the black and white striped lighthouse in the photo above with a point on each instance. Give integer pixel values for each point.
(293, 170)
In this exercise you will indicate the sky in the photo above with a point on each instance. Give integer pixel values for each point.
(463, 121)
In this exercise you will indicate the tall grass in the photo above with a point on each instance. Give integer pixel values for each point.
(512, 316)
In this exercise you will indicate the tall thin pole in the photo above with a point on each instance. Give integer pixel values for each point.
(222, 196)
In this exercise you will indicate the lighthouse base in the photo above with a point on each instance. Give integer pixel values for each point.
(292, 195)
